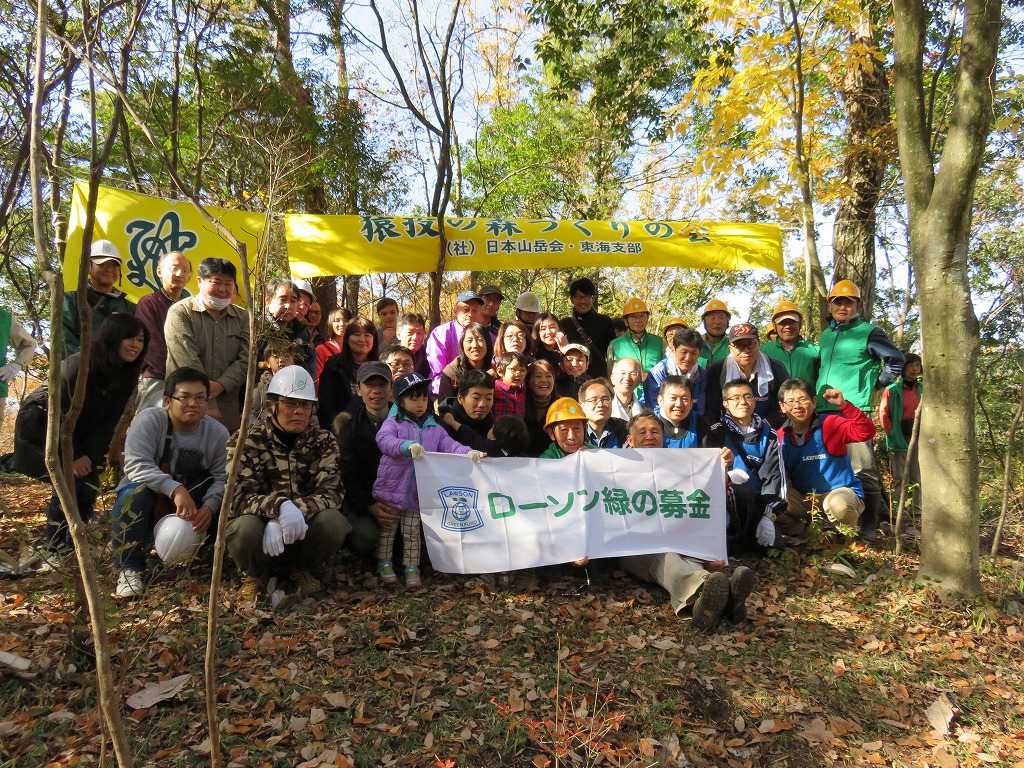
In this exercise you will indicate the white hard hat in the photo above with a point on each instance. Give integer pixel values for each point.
(304, 286)
(103, 251)
(528, 301)
(175, 541)
(293, 381)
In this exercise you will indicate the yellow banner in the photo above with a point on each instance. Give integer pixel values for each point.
(144, 228)
(361, 245)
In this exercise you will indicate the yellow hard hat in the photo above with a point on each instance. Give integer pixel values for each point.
(715, 306)
(633, 306)
(786, 308)
(564, 409)
(844, 289)
(674, 322)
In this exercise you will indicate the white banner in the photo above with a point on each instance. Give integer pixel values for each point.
(508, 514)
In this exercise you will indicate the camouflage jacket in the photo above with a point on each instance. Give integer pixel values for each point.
(271, 473)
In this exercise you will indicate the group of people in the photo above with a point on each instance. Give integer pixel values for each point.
(343, 411)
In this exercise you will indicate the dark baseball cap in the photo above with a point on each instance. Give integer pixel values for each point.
(742, 331)
(371, 369)
(467, 296)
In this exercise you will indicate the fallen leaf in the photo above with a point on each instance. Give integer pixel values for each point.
(943, 759)
(940, 714)
(739, 724)
(154, 693)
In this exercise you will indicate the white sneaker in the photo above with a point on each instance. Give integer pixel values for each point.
(129, 584)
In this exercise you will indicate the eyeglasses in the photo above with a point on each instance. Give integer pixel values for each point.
(197, 399)
(598, 401)
(517, 336)
(797, 401)
(740, 399)
(296, 405)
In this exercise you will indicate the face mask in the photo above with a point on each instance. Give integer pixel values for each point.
(216, 304)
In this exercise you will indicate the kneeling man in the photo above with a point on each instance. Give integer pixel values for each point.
(816, 459)
(174, 459)
(708, 596)
(285, 518)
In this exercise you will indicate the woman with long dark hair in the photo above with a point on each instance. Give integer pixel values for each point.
(338, 378)
(115, 359)
(475, 353)
(540, 393)
(337, 322)
(548, 339)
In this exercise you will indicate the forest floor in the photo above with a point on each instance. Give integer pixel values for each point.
(831, 669)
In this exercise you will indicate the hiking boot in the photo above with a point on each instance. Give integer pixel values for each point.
(741, 583)
(870, 516)
(305, 583)
(129, 584)
(386, 571)
(412, 576)
(710, 605)
(252, 590)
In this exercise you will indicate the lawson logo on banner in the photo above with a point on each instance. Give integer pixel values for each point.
(507, 514)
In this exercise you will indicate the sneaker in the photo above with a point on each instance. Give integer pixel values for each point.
(412, 576)
(129, 584)
(386, 571)
(251, 590)
(710, 605)
(305, 583)
(741, 583)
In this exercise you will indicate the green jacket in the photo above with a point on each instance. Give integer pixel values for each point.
(709, 354)
(649, 352)
(856, 358)
(802, 363)
(554, 452)
(895, 442)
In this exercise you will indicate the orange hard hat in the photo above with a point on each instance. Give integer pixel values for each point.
(786, 308)
(715, 306)
(674, 322)
(844, 289)
(633, 306)
(564, 409)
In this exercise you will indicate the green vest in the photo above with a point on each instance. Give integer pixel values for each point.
(5, 336)
(895, 441)
(709, 354)
(847, 364)
(649, 352)
(801, 363)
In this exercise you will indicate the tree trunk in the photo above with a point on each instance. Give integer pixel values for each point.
(865, 90)
(949, 450)
(939, 203)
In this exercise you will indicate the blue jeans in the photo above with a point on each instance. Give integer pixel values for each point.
(86, 491)
(131, 522)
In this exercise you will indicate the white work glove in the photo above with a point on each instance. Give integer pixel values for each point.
(766, 532)
(293, 524)
(9, 371)
(738, 476)
(416, 451)
(273, 539)
(476, 456)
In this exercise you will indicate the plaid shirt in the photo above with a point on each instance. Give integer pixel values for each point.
(508, 401)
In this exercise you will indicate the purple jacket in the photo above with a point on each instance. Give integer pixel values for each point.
(396, 478)
(152, 312)
(442, 347)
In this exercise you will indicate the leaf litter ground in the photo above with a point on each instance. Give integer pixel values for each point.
(830, 670)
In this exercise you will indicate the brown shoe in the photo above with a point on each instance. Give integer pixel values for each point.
(305, 583)
(711, 602)
(252, 590)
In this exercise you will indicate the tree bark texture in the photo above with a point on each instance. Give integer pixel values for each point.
(865, 91)
(939, 205)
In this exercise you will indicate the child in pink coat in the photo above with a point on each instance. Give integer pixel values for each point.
(408, 432)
